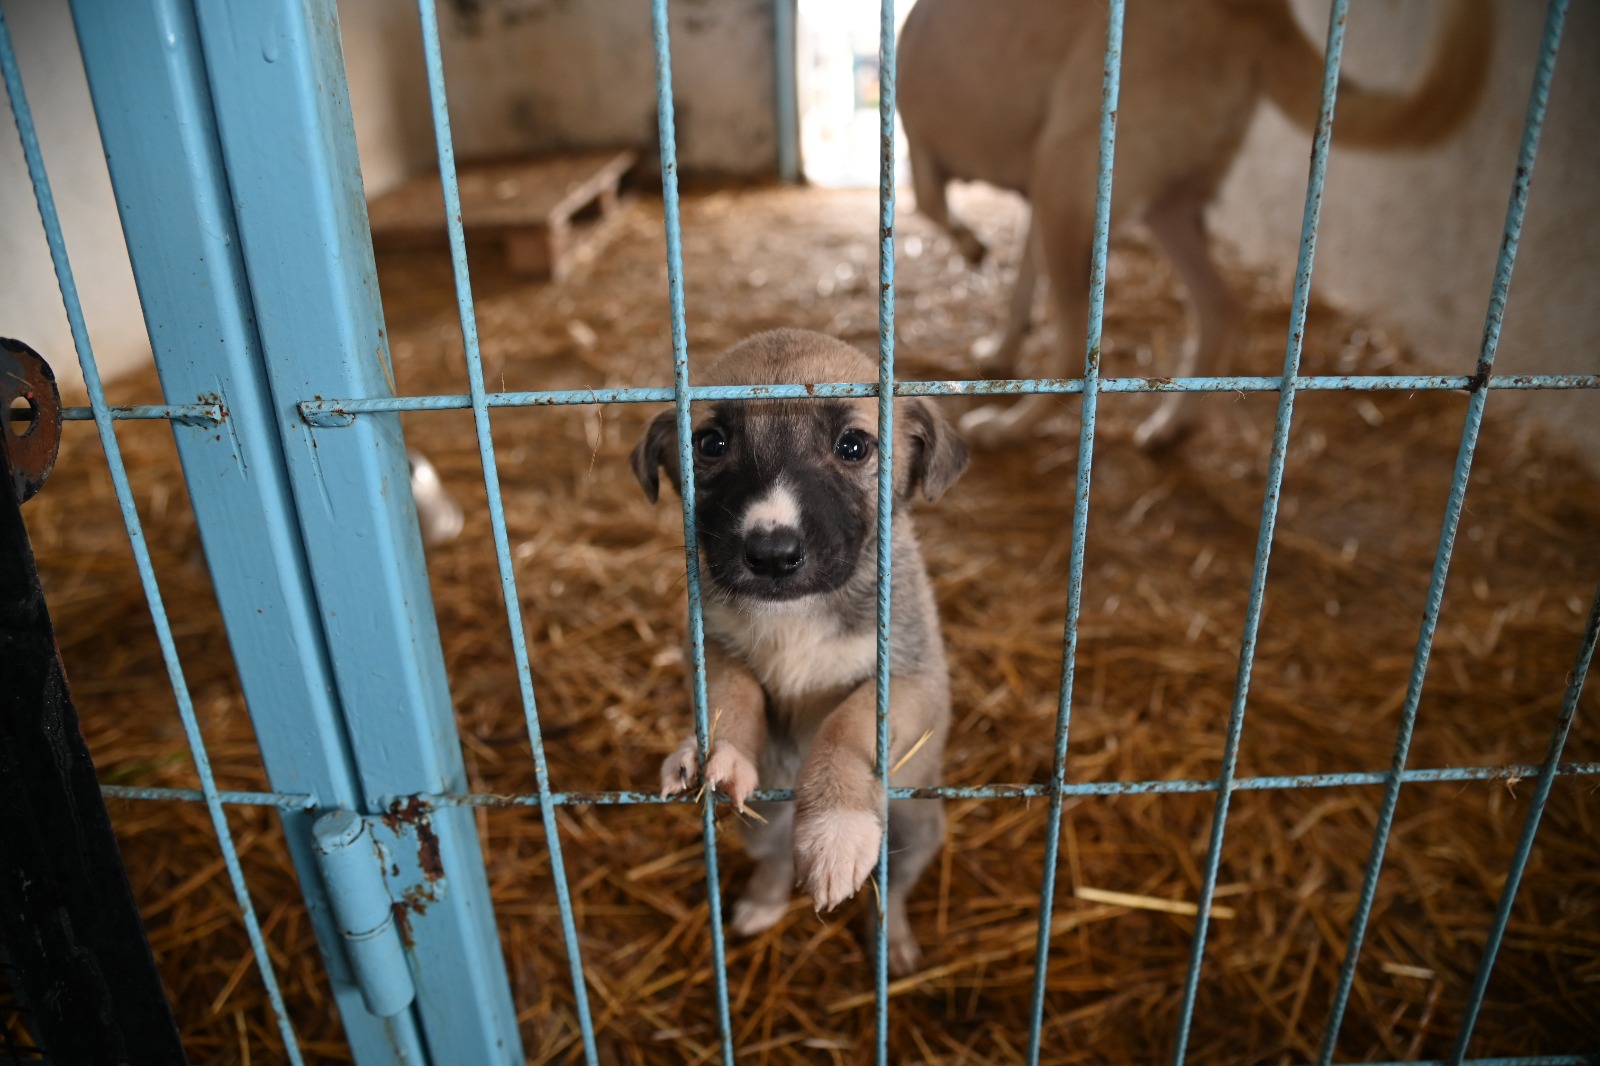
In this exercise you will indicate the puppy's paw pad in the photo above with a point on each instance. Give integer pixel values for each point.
(834, 852)
(731, 773)
(756, 916)
(680, 769)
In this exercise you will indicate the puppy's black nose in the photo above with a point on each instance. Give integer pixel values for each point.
(774, 552)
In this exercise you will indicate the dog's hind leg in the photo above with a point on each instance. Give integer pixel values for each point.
(1064, 229)
(928, 179)
(1178, 222)
(999, 355)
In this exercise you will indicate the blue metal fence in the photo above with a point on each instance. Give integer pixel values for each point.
(316, 446)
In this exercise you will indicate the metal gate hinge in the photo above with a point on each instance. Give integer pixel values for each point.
(379, 872)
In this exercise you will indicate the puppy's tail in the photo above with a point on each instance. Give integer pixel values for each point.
(1368, 118)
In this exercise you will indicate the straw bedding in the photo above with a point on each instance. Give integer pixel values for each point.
(1169, 553)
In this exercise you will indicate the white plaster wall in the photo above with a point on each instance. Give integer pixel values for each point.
(539, 75)
(30, 302)
(1410, 238)
(381, 46)
(388, 97)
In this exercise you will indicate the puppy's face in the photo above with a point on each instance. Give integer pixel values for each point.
(786, 490)
(786, 495)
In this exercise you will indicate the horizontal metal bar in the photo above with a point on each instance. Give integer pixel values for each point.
(1514, 773)
(189, 414)
(333, 413)
(288, 801)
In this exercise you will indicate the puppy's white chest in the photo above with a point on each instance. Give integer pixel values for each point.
(794, 655)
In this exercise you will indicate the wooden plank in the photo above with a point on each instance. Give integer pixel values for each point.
(510, 194)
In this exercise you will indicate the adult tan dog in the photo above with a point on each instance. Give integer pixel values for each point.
(1008, 92)
(786, 492)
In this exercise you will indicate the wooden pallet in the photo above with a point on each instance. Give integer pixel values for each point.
(541, 211)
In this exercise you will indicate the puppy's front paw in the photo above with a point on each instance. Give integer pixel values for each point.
(680, 769)
(729, 772)
(834, 851)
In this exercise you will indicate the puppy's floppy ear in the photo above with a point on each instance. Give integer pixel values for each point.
(938, 454)
(657, 451)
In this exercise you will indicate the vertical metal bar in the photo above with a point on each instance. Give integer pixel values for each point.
(661, 38)
(886, 74)
(1530, 829)
(286, 135)
(1111, 81)
(147, 78)
(1269, 515)
(497, 518)
(786, 89)
(130, 516)
(1545, 70)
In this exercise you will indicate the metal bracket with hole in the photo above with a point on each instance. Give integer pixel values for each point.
(30, 416)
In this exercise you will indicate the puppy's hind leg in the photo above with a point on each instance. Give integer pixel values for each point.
(770, 844)
(1178, 222)
(916, 831)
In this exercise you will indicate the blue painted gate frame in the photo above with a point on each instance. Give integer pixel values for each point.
(232, 155)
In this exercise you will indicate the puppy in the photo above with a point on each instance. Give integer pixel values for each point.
(1008, 92)
(786, 492)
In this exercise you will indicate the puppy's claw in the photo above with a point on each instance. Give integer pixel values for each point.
(729, 772)
(834, 851)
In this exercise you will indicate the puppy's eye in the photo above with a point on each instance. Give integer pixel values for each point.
(853, 445)
(710, 443)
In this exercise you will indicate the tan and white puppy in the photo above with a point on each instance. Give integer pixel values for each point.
(786, 492)
(1008, 92)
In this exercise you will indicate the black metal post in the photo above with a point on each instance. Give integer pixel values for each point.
(66, 909)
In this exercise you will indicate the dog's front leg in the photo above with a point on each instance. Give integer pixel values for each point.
(737, 709)
(838, 821)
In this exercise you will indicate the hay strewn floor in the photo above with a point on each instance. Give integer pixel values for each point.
(1170, 544)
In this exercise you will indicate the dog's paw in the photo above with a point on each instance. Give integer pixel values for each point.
(680, 770)
(989, 426)
(997, 354)
(969, 244)
(834, 851)
(729, 772)
(751, 916)
(1163, 429)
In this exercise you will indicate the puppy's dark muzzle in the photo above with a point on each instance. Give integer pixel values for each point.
(774, 553)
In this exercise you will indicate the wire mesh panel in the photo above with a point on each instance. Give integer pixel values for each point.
(315, 414)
